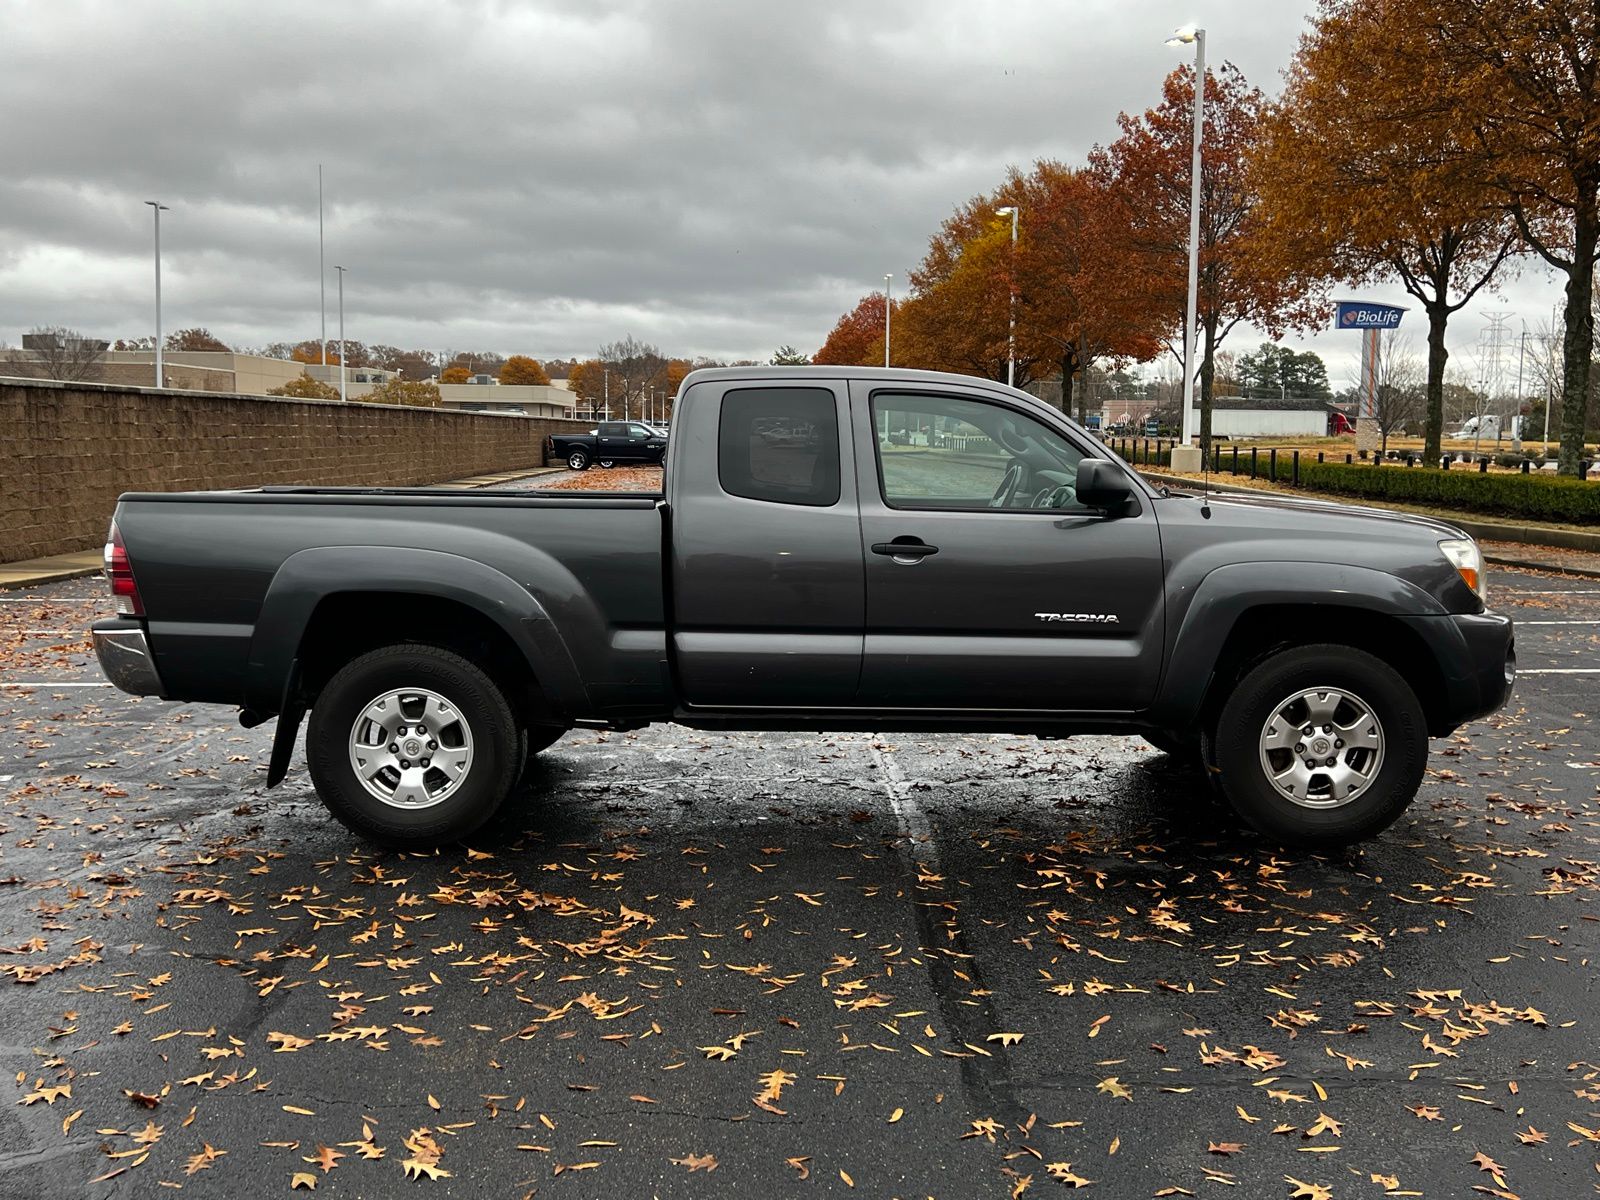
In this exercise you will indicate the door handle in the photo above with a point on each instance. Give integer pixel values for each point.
(905, 549)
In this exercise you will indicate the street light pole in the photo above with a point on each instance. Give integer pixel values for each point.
(1191, 332)
(322, 272)
(1011, 328)
(888, 310)
(341, 271)
(158, 208)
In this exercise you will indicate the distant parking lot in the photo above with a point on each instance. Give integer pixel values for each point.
(697, 965)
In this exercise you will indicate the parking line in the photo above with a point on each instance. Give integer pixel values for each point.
(1561, 671)
(1520, 624)
(51, 686)
(1505, 591)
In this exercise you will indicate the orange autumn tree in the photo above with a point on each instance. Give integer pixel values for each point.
(857, 339)
(1522, 82)
(957, 317)
(1084, 281)
(520, 369)
(1360, 179)
(455, 374)
(1149, 165)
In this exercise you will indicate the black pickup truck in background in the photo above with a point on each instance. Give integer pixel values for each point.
(835, 548)
(611, 443)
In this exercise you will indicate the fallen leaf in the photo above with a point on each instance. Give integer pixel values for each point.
(697, 1162)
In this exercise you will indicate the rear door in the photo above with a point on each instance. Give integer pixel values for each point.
(767, 587)
(988, 585)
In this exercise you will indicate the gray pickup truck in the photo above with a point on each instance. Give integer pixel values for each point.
(834, 549)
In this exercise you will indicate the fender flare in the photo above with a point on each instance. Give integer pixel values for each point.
(1227, 593)
(308, 577)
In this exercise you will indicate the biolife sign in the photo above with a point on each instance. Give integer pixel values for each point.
(1371, 320)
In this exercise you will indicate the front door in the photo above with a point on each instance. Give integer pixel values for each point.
(988, 585)
(766, 548)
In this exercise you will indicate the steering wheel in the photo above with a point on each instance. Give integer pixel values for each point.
(1055, 497)
(1007, 490)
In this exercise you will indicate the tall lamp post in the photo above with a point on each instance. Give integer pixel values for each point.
(1191, 333)
(888, 310)
(158, 208)
(341, 271)
(1011, 211)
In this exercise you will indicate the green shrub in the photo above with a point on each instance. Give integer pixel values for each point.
(1530, 497)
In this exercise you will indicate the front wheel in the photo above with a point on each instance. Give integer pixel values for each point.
(578, 460)
(1320, 746)
(412, 746)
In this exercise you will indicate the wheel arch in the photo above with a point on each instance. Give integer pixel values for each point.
(331, 603)
(1242, 613)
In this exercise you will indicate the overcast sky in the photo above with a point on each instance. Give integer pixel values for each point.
(716, 176)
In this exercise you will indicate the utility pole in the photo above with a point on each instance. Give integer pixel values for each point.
(1191, 332)
(1011, 211)
(322, 272)
(341, 333)
(888, 310)
(159, 208)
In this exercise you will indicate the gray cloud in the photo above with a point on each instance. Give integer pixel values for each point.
(716, 176)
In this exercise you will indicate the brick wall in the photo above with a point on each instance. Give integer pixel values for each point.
(68, 450)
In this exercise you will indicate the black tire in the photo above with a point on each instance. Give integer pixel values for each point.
(479, 705)
(578, 459)
(1235, 752)
(1184, 749)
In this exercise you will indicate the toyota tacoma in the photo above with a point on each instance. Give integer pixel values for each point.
(833, 549)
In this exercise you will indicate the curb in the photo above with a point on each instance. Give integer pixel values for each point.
(1494, 531)
(47, 576)
(1526, 564)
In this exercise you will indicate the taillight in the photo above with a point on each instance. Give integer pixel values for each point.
(119, 574)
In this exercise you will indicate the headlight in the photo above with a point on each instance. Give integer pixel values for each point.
(1465, 557)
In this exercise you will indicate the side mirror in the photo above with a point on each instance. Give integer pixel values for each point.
(1102, 485)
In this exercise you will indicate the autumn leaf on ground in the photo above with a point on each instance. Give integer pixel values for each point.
(1063, 1173)
(1224, 1147)
(697, 1162)
(48, 1094)
(303, 1179)
(1112, 1086)
(202, 1160)
(1306, 1191)
(326, 1157)
(773, 1083)
(1425, 1111)
(415, 1169)
(799, 1164)
(1005, 1039)
(1324, 1124)
(1532, 1137)
(984, 1127)
(283, 1043)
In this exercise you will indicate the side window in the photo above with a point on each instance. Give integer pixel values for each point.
(638, 431)
(950, 452)
(780, 444)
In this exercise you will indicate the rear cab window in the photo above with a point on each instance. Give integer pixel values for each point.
(780, 445)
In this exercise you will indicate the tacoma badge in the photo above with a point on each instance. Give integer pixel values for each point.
(1080, 618)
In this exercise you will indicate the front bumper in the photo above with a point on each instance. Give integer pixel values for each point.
(1477, 657)
(124, 652)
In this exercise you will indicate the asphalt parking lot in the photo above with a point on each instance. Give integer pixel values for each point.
(697, 965)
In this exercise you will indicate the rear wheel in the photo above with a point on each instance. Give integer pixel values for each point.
(412, 746)
(1320, 746)
(578, 460)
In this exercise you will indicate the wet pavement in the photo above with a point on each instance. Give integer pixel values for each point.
(696, 965)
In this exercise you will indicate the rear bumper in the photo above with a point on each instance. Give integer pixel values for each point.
(1477, 656)
(124, 652)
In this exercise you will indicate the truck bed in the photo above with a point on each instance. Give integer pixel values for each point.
(210, 565)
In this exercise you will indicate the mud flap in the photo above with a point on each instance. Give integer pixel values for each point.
(290, 714)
